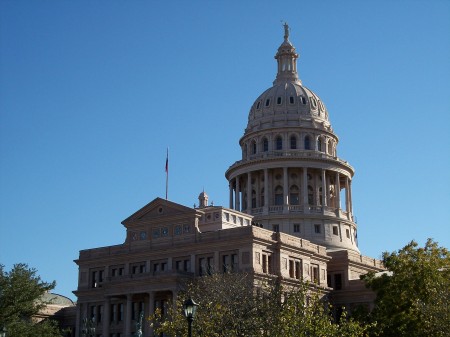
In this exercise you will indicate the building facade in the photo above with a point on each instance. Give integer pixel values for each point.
(290, 218)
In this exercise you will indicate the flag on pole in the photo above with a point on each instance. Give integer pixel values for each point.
(167, 172)
(167, 161)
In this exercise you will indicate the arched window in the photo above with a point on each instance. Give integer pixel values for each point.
(278, 195)
(253, 199)
(265, 145)
(319, 144)
(307, 143)
(244, 200)
(253, 147)
(262, 197)
(279, 143)
(293, 142)
(310, 195)
(294, 198)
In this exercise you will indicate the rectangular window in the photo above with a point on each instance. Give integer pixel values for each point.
(291, 268)
(205, 265)
(298, 270)
(337, 281)
(187, 265)
(317, 229)
(329, 281)
(264, 263)
(113, 312)
(315, 273)
(335, 230)
(120, 317)
(276, 228)
(296, 228)
(347, 233)
(226, 263)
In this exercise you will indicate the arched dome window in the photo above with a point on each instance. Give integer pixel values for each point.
(278, 196)
(258, 105)
(253, 147)
(310, 195)
(279, 143)
(265, 145)
(307, 143)
(294, 198)
(293, 141)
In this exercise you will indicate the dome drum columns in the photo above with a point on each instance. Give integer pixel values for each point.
(273, 191)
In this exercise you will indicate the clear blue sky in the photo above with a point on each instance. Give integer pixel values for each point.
(92, 93)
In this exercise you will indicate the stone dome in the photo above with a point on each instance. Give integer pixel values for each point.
(287, 100)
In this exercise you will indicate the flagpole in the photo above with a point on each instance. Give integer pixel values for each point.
(167, 172)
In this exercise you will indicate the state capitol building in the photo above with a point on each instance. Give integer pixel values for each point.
(289, 217)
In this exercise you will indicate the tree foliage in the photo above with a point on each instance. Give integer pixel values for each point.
(20, 292)
(230, 305)
(413, 297)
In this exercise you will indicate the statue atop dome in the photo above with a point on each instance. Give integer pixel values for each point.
(286, 31)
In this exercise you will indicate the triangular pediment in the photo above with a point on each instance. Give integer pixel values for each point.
(157, 209)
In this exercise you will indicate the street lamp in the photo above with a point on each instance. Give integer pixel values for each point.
(3, 332)
(190, 308)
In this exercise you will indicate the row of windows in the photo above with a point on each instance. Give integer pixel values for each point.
(317, 229)
(279, 101)
(293, 144)
(161, 232)
(229, 262)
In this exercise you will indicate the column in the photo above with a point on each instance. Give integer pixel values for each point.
(78, 321)
(237, 198)
(285, 188)
(266, 189)
(151, 311)
(258, 189)
(316, 189)
(328, 190)
(174, 299)
(347, 196)
(230, 185)
(338, 192)
(305, 190)
(249, 193)
(107, 316)
(350, 196)
(128, 315)
(324, 189)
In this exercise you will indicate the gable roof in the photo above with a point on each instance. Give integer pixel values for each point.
(157, 209)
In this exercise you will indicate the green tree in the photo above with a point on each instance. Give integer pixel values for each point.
(413, 296)
(20, 292)
(230, 305)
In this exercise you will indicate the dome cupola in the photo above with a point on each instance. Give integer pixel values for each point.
(287, 61)
(290, 177)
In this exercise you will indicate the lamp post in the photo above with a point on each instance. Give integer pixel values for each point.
(3, 331)
(190, 308)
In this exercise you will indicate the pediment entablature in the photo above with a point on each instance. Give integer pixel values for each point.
(156, 211)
